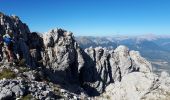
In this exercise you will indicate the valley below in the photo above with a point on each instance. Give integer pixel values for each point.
(159, 66)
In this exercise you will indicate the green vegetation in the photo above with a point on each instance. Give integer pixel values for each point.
(27, 97)
(7, 73)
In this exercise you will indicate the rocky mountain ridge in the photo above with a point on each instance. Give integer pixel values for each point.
(152, 47)
(54, 66)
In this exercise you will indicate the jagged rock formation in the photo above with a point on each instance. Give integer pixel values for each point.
(94, 67)
(110, 66)
(21, 34)
(62, 55)
(55, 58)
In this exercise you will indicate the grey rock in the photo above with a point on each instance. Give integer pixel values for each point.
(62, 55)
(30, 75)
(132, 87)
(18, 91)
(13, 88)
(94, 67)
(5, 94)
(20, 36)
(103, 67)
(139, 62)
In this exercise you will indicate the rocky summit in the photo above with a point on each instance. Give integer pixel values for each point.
(52, 66)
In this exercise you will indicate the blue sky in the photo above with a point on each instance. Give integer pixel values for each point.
(93, 17)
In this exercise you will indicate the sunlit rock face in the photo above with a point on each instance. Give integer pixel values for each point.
(103, 67)
(139, 86)
(62, 55)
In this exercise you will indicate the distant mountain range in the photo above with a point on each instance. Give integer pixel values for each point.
(153, 47)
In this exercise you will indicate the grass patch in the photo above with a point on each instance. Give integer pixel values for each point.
(27, 97)
(7, 73)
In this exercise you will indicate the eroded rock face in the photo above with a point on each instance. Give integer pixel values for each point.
(139, 62)
(20, 32)
(93, 68)
(62, 55)
(139, 86)
(160, 90)
(14, 24)
(132, 87)
(103, 67)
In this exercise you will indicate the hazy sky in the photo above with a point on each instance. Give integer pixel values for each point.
(93, 17)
